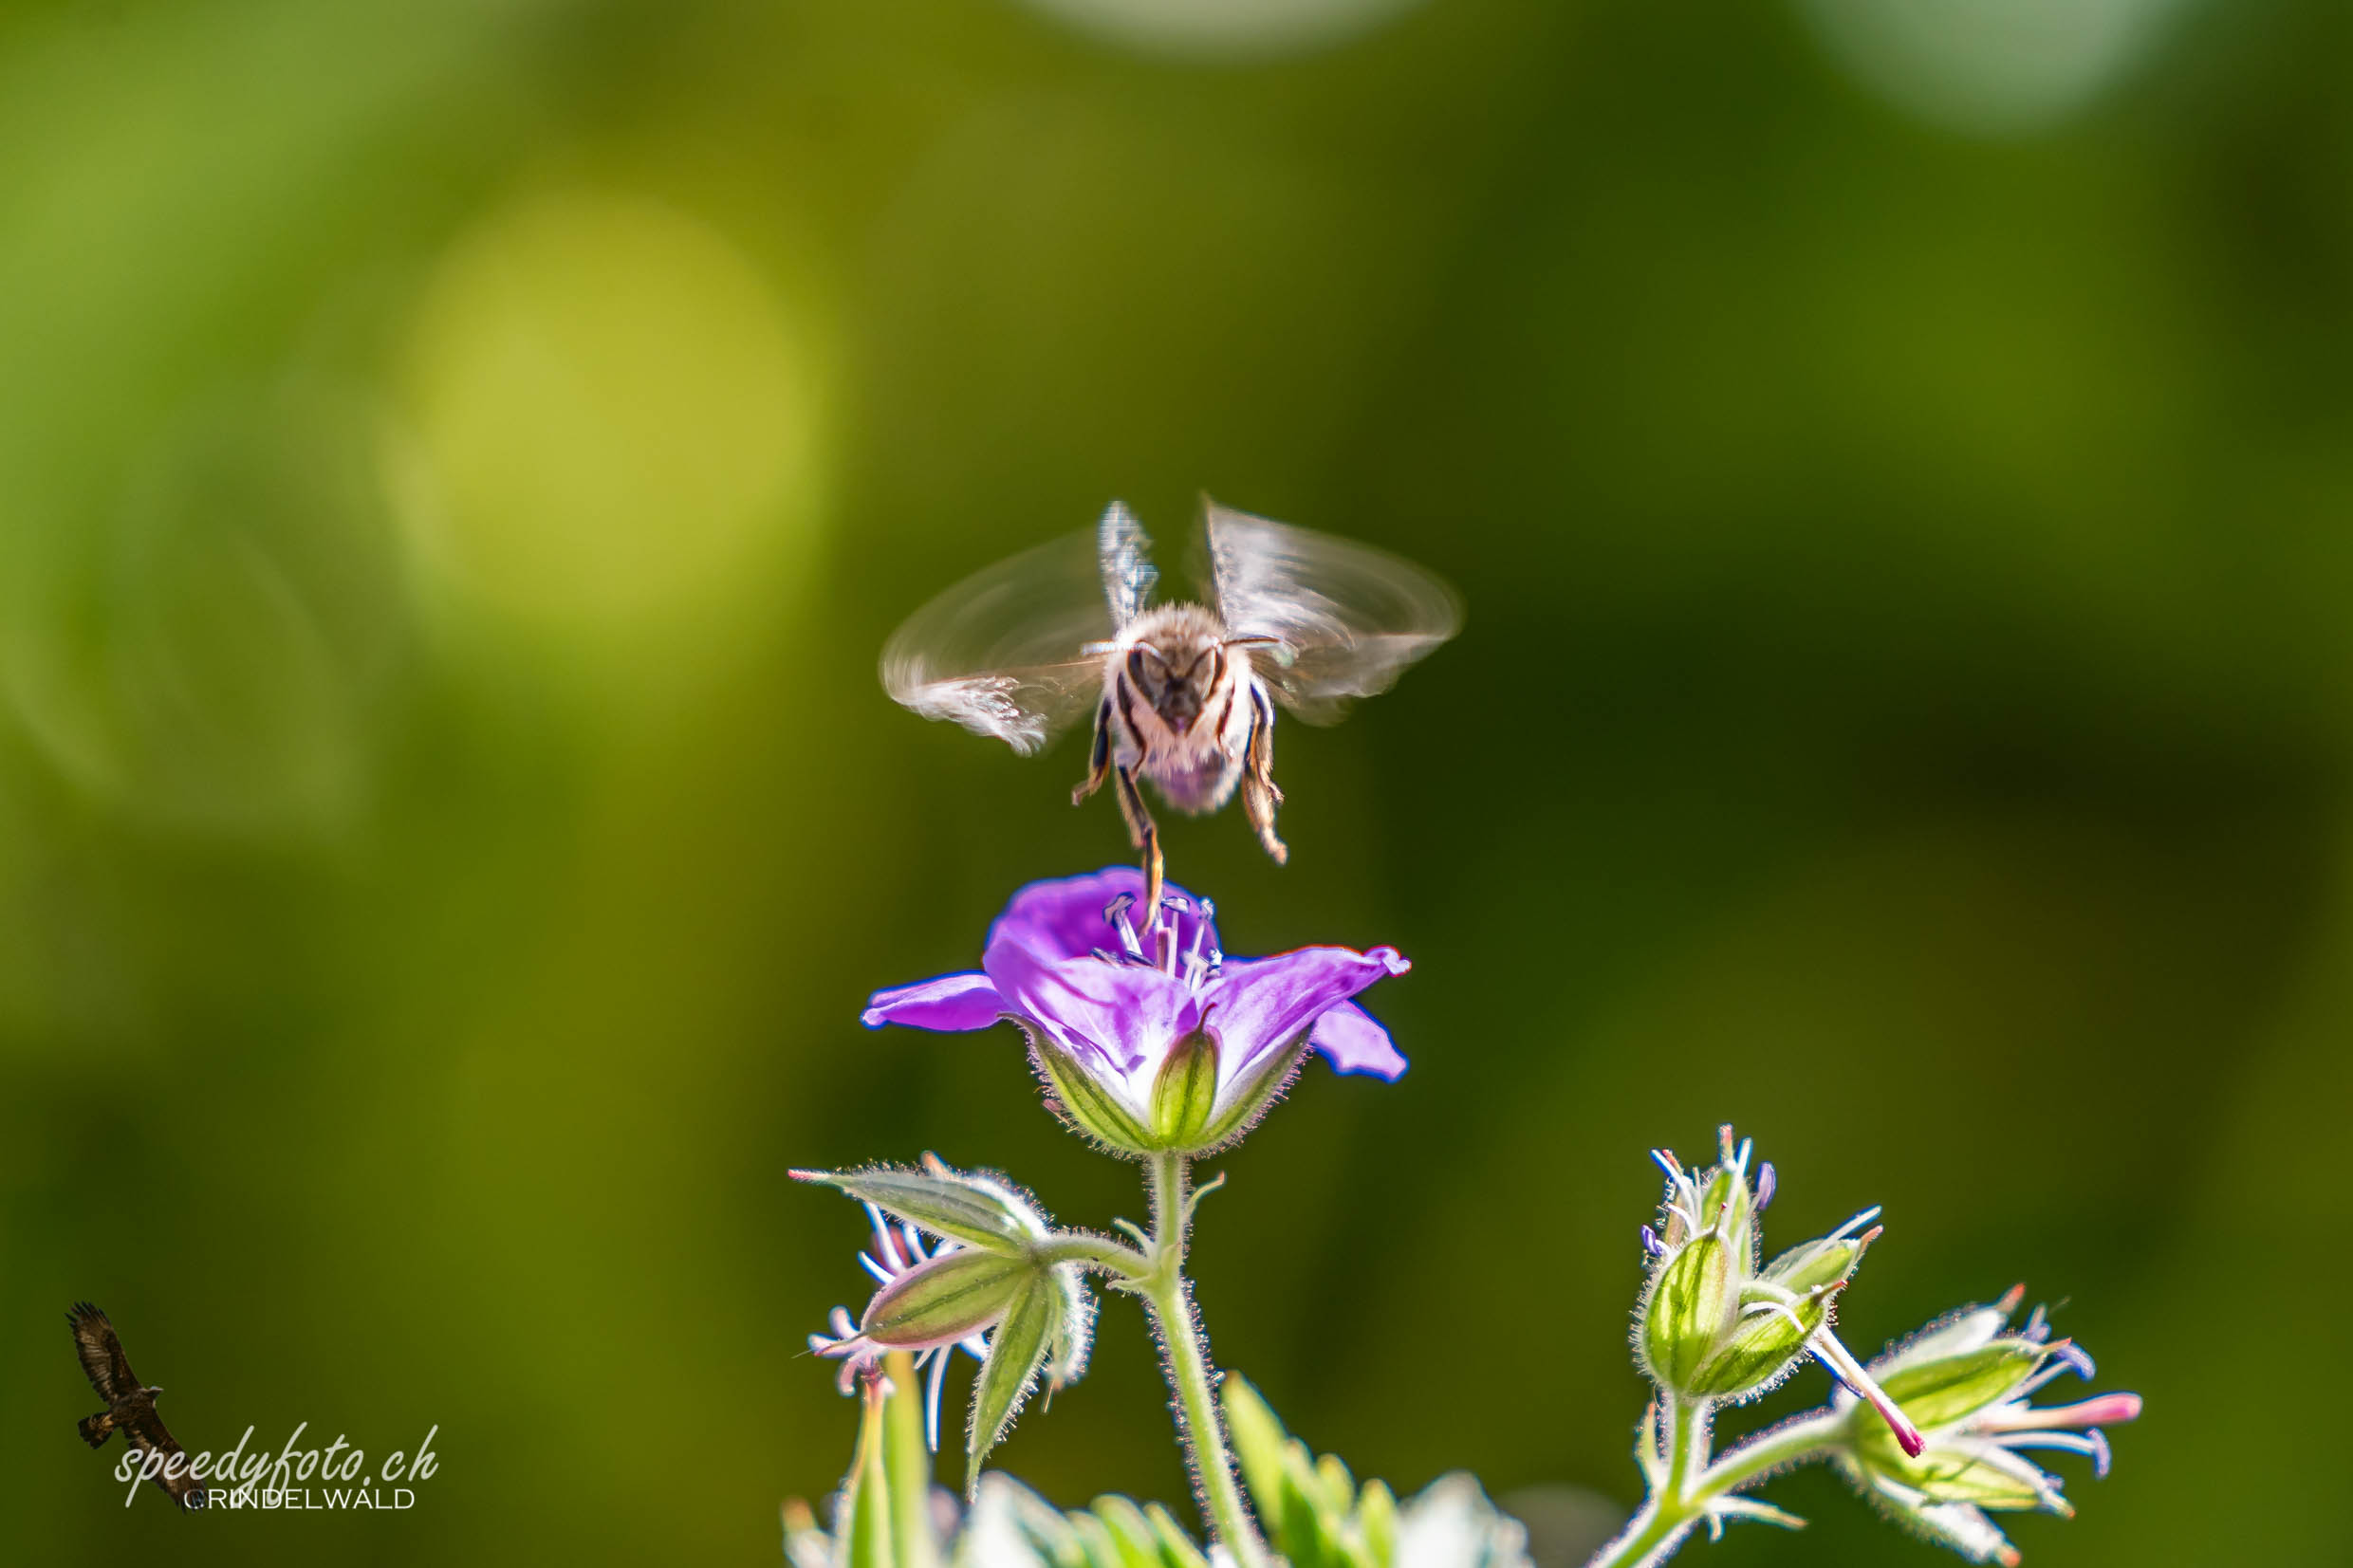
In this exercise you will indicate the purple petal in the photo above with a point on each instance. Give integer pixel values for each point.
(952, 1001)
(1063, 917)
(1116, 1017)
(1353, 1040)
(1260, 1002)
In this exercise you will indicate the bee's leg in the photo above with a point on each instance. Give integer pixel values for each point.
(1259, 794)
(1146, 835)
(1098, 756)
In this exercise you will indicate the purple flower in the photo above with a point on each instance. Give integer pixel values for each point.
(1150, 1035)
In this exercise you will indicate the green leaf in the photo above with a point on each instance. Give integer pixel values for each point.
(1305, 1531)
(945, 1205)
(1177, 1548)
(1130, 1530)
(1258, 1440)
(1101, 1542)
(1018, 1348)
(1376, 1517)
(866, 1539)
(907, 1466)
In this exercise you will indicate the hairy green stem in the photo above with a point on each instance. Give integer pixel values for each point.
(1691, 1483)
(1100, 1252)
(1198, 1427)
(1792, 1443)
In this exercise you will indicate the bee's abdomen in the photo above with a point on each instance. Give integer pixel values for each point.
(1197, 784)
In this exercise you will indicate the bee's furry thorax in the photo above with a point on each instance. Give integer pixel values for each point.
(1180, 700)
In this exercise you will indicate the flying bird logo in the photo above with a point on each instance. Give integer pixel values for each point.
(130, 1408)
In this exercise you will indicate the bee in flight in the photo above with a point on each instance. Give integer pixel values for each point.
(1183, 695)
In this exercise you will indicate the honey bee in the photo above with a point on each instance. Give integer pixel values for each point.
(1183, 694)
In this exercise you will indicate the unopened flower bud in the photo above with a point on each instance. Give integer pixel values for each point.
(1712, 1325)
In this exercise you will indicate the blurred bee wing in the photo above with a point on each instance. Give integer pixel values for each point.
(1347, 618)
(1123, 551)
(1000, 652)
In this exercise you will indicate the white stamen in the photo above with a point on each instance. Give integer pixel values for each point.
(930, 1401)
(1116, 912)
(883, 1243)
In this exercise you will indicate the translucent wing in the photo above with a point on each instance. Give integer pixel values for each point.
(1125, 551)
(1347, 618)
(1002, 651)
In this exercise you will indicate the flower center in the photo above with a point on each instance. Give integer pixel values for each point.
(1163, 943)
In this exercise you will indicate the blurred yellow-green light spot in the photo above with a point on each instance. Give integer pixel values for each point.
(613, 416)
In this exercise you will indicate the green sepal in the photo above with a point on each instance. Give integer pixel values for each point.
(1760, 1350)
(1728, 1207)
(1017, 1349)
(1184, 1092)
(945, 1202)
(1248, 1096)
(1687, 1310)
(1981, 1474)
(1811, 1266)
(1086, 1104)
(1950, 1386)
(1074, 1335)
(953, 1295)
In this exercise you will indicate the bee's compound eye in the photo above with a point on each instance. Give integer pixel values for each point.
(1136, 664)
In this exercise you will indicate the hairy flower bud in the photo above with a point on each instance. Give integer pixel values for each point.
(1714, 1325)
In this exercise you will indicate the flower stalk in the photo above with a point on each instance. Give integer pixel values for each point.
(1199, 1430)
(1693, 1490)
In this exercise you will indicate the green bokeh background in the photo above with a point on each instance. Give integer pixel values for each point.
(1905, 707)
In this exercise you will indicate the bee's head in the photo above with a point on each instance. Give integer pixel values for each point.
(1176, 661)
